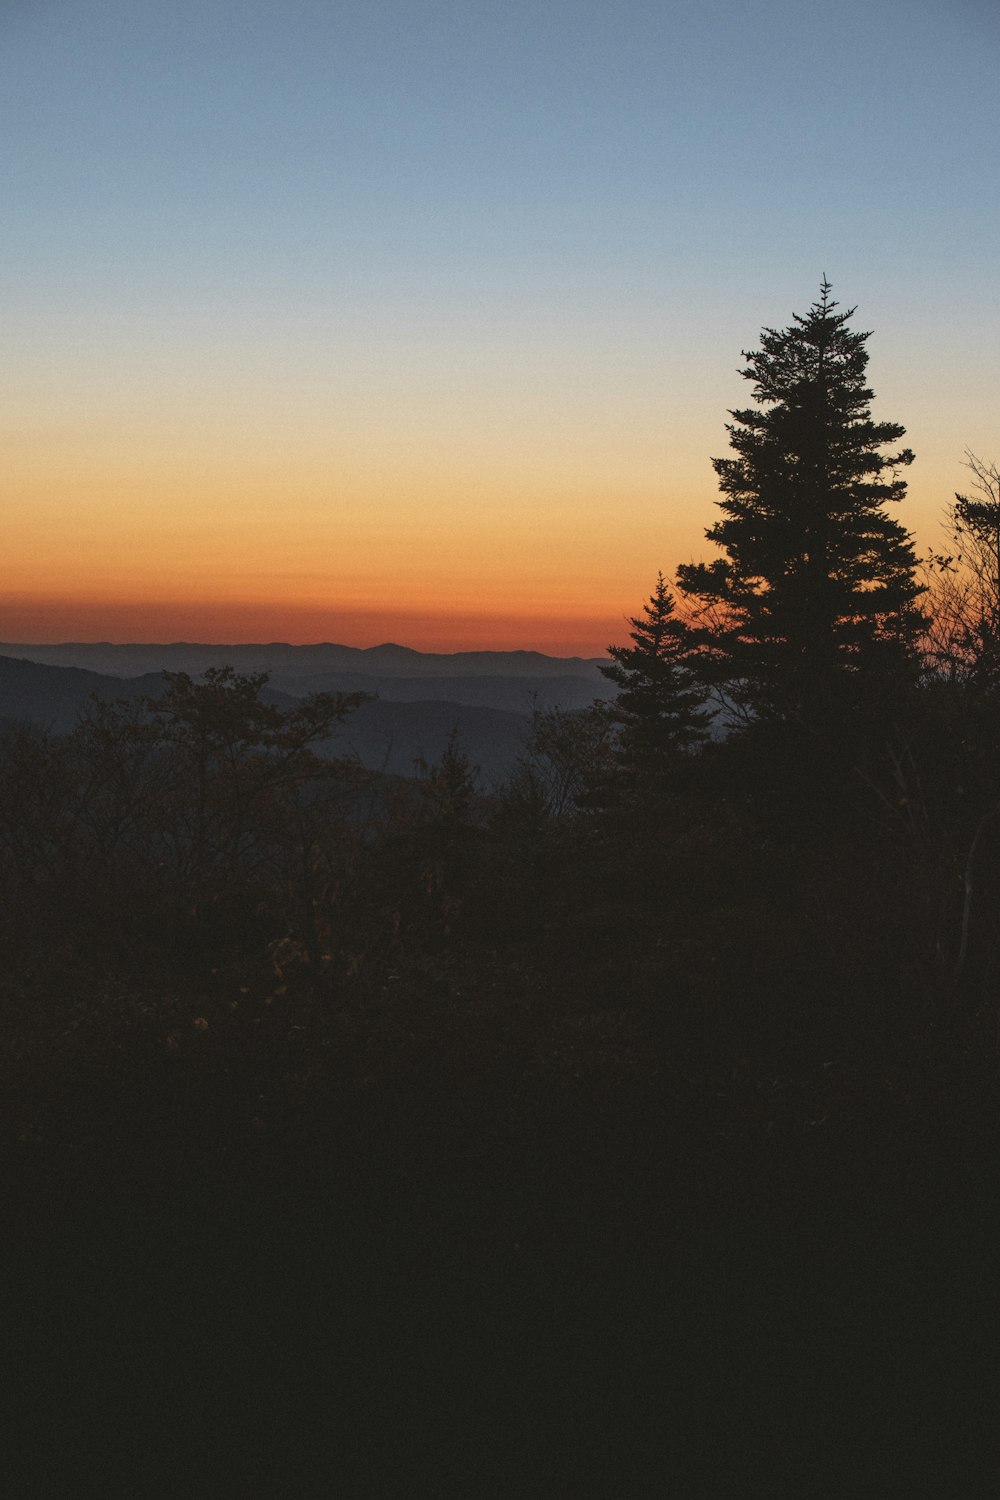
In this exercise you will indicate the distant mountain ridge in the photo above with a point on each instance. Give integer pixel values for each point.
(54, 697)
(324, 658)
(385, 735)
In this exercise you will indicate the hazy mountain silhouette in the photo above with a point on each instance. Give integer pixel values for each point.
(277, 657)
(384, 735)
(54, 697)
(390, 736)
(515, 694)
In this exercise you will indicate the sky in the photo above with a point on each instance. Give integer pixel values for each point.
(420, 321)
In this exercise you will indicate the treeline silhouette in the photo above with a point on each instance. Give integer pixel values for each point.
(520, 1136)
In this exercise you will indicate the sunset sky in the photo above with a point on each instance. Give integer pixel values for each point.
(419, 321)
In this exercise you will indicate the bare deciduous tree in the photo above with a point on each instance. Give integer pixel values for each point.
(964, 632)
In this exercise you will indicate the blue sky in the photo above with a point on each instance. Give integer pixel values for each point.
(469, 282)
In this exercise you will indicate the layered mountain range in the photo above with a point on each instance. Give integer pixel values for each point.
(418, 697)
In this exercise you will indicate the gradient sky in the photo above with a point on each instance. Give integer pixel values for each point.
(419, 322)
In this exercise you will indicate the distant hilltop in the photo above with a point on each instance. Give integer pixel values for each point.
(281, 659)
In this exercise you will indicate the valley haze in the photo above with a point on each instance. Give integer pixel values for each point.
(418, 698)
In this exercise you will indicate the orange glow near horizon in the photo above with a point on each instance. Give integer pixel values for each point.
(437, 521)
(41, 620)
(548, 552)
(559, 576)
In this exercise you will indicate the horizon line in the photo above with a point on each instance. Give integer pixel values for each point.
(148, 645)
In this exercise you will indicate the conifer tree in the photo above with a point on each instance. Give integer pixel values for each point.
(817, 589)
(660, 704)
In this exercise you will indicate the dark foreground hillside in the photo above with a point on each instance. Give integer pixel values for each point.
(646, 1150)
(455, 1260)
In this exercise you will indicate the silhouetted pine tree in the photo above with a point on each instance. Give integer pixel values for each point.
(660, 704)
(817, 587)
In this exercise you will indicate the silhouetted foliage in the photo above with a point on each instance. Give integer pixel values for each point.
(566, 762)
(659, 708)
(964, 635)
(204, 816)
(449, 786)
(817, 589)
